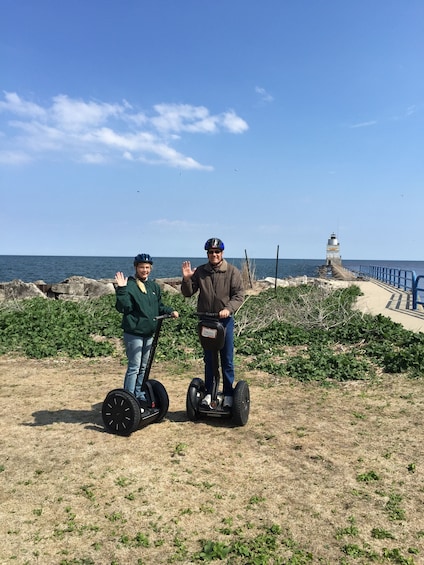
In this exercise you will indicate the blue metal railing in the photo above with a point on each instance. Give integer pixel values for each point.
(416, 297)
(400, 278)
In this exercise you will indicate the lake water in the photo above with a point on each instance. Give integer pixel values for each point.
(52, 269)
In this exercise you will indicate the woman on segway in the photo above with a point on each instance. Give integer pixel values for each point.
(140, 301)
(221, 290)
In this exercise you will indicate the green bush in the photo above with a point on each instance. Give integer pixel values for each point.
(43, 328)
(304, 332)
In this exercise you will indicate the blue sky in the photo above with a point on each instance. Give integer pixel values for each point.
(151, 125)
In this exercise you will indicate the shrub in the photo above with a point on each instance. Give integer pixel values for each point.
(307, 332)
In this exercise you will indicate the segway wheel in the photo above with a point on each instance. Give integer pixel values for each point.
(241, 404)
(121, 412)
(195, 393)
(161, 398)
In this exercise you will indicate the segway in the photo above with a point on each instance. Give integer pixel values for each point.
(123, 414)
(212, 337)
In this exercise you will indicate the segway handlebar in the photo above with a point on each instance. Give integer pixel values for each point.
(207, 314)
(163, 317)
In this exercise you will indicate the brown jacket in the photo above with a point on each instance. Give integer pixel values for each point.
(219, 288)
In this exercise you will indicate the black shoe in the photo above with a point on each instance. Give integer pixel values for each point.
(149, 412)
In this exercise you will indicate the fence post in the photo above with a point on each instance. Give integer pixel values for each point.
(276, 269)
(414, 292)
(248, 269)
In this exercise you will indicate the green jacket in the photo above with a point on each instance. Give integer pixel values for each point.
(139, 309)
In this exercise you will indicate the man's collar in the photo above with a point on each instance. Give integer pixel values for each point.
(222, 267)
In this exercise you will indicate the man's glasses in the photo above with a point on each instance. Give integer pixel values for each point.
(214, 252)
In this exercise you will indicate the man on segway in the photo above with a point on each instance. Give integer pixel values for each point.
(221, 291)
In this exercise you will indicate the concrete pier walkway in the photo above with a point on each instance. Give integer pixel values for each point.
(380, 298)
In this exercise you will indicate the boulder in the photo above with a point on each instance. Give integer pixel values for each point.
(290, 281)
(68, 287)
(76, 287)
(172, 286)
(73, 288)
(18, 290)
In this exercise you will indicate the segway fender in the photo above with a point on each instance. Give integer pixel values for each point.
(241, 404)
(159, 398)
(198, 384)
(195, 393)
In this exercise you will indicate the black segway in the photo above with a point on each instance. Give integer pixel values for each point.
(123, 414)
(212, 336)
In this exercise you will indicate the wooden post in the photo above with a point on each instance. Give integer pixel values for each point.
(276, 269)
(248, 268)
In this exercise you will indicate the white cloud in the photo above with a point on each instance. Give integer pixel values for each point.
(179, 118)
(144, 147)
(98, 132)
(78, 115)
(38, 137)
(14, 104)
(364, 124)
(411, 110)
(406, 113)
(265, 97)
(233, 123)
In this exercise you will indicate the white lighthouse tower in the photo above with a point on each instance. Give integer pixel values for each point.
(333, 251)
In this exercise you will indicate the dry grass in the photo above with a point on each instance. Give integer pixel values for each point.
(71, 493)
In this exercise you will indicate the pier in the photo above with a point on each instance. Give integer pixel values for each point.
(336, 271)
(394, 303)
(388, 292)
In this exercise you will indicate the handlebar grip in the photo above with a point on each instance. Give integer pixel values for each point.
(163, 317)
(208, 314)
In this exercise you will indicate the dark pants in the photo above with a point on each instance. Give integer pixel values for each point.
(227, 360)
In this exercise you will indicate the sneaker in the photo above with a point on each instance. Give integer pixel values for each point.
(148, 412)
(228, 402)
(206, 402)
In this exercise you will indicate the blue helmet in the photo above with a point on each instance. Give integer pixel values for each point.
(214, 243)
(142, 258)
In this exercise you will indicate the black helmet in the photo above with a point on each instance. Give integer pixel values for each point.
(142, 258)
(214, 243)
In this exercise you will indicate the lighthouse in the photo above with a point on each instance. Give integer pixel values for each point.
(333, 251)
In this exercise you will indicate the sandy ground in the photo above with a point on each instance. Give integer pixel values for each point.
(314, 461)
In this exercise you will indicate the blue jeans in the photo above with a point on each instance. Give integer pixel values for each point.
(138, 351)
(227, 360)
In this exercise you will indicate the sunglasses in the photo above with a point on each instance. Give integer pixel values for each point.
(214, 251)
